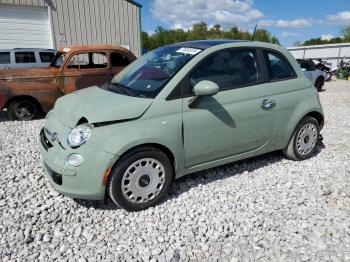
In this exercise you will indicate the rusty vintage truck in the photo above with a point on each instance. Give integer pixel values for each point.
(28, 93)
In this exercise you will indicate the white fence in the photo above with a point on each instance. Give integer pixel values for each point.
(332, 53)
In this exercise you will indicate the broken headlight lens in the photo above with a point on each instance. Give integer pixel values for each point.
(79, 135)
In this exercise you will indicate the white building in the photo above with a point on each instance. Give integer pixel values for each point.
(332, 53)
(57, 23)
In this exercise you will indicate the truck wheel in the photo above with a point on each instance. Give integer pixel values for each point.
(142, 177)
(304, 139)
(23, 110)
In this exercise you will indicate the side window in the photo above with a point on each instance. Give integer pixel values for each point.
(25, 57)
(278, 66)
(79, 61)
(5, 58)
(119, 60)
(88, 61)
(46, 57)
(99, 60)
(229, 69)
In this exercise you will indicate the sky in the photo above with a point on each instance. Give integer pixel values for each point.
(288, 20)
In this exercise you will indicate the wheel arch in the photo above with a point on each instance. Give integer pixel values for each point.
(312, 113)
(158, 146)
(317, 115)
(27, 97)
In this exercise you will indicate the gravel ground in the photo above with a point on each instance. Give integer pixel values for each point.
(267, 208)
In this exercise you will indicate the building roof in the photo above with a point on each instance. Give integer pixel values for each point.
(318, 46)
(135, 3)
(204, 44)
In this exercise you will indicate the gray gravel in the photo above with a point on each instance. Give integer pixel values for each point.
(267, 208)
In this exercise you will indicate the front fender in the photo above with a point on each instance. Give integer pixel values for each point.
(160, 125)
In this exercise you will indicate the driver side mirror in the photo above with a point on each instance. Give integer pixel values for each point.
(202, 89)
(205, 88)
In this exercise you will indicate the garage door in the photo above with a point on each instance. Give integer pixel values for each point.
(24, 27)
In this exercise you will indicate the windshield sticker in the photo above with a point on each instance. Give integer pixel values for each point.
(188, 50)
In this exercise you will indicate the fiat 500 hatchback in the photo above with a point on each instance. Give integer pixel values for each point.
(179, 109)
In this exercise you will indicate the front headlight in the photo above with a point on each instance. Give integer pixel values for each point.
(79, 135)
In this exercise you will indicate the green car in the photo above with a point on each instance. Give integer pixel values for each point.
(179, 109)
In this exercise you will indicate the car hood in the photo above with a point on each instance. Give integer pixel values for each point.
(98, 106)
(24, 73)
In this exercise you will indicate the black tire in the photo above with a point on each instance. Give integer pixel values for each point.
(319, 83)
(115, 189)
(328, 76)
(293, 151)
(23, 109)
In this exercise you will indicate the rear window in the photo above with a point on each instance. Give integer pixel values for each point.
(25, 57)
(5, 58)
(46, 57)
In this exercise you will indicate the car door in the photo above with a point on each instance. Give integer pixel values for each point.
(85, 69)
(239, 119)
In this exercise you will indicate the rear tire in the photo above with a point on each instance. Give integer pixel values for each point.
(328, 76)
(319, 84)
(140, 179)
(23, 109)
(303, 142)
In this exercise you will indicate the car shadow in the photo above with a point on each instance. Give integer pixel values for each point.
(214, 107)
(186, 183)
(106, 204)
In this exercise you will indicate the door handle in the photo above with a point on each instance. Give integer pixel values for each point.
(268, 104)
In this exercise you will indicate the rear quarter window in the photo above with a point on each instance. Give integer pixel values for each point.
(119, 60)
(46, 57)
(278, 66)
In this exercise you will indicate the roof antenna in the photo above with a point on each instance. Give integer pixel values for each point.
(254, 32)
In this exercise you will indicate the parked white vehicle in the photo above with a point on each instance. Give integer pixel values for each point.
(317, 77)
(26, 57)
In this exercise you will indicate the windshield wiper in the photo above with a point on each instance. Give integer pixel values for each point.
(118, 88)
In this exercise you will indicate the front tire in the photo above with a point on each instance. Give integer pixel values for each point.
(304, 139)
(23, 110)
(140, 179)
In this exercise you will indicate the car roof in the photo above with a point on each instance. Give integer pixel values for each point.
(204, 44)
(70, 49)
(28, 49)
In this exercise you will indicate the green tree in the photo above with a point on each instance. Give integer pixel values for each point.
(335, 40)
(346, 33)
(199, 31)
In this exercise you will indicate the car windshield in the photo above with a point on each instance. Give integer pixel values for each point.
(148, 75)
(58, 60)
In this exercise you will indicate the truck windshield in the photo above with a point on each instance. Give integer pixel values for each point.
(58, 60)
(149, 74)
